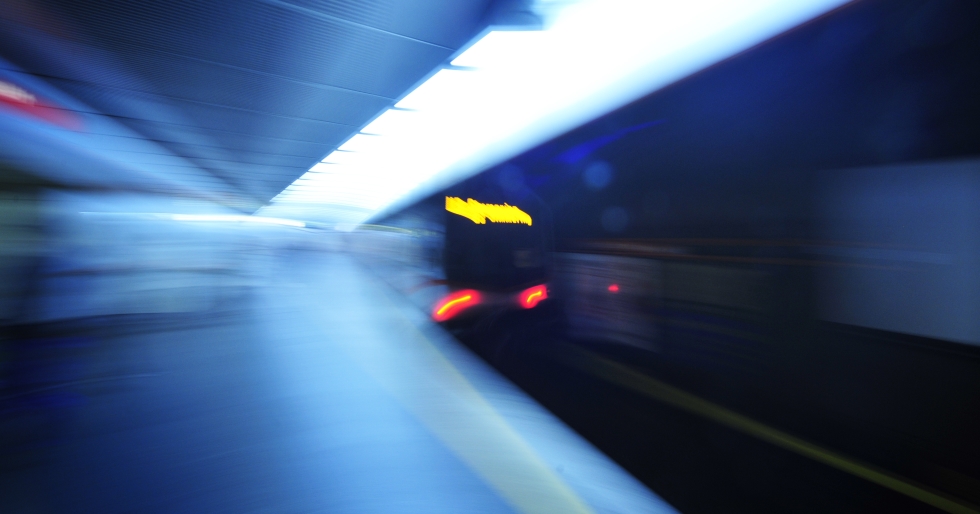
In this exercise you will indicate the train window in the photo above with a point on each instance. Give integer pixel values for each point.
(497, 238)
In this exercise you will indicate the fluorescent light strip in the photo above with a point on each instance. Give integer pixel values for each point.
(520, 88)
(237, 218)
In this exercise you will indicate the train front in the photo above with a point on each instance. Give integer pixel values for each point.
(496, 256)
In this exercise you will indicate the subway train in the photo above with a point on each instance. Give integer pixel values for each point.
(496, 252)
(765, 274)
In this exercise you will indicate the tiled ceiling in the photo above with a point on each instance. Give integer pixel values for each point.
(252, 91)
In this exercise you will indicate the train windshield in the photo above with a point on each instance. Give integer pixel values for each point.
(497, 237)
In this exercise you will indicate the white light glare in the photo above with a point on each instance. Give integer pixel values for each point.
(517, 89)
(237, 218)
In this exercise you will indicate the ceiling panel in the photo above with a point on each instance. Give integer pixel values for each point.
(253, 91)
(260, 36)
(419, 20)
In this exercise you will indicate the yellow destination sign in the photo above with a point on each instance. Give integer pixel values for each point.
(480, 213)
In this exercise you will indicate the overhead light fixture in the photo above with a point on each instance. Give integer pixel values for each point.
(237, 218)
(221, 218)
(512, 90)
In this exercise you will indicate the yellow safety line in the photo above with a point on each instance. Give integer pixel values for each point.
(458, 415)
(626, 376)
(492, 448)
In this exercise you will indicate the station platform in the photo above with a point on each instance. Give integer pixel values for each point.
(325, 391)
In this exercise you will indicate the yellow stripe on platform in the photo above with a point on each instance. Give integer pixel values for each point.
(427, 384)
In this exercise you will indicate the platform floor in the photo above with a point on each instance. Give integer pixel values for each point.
(323, 392)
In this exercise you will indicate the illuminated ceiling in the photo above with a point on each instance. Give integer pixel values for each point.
(512, 90)
(339, 110)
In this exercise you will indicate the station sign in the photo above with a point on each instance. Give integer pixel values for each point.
(481, 213)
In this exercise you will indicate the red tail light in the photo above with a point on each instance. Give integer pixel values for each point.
(532, 296)
(454, 303)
